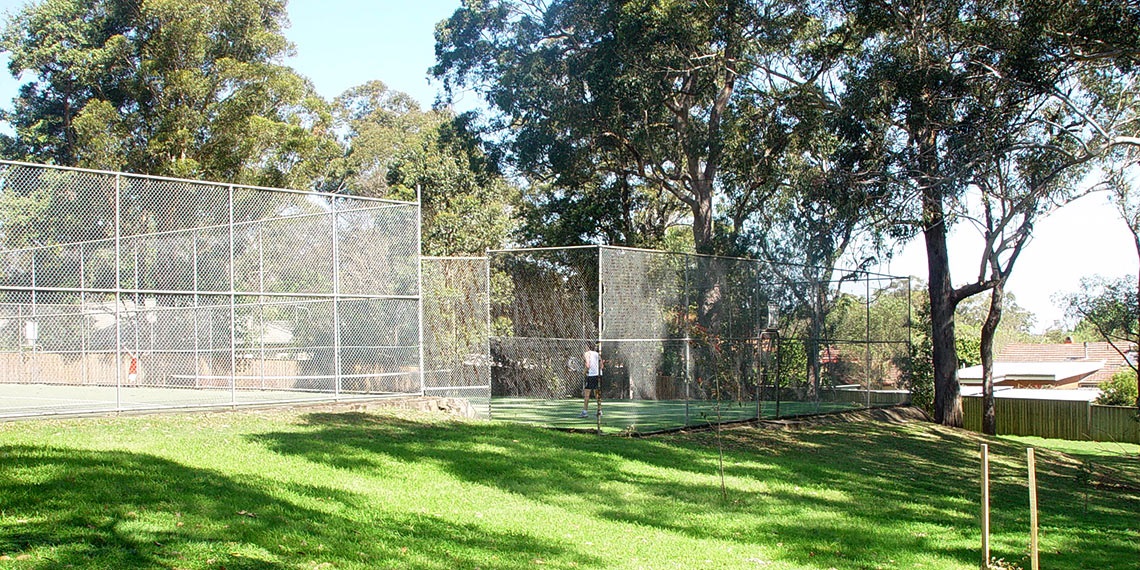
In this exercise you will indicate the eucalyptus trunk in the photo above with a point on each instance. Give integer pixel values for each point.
(702, 207)
(1136, 241)
(989, 328)
(947, 400)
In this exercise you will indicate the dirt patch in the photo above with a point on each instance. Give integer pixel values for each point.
(452, 406)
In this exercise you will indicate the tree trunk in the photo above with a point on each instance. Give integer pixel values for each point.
(702, 216)
(1136, 241)
(813, 346)
(989, 327)
(947, 399)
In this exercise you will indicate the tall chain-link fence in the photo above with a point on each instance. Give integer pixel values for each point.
(689, 339)
(122, 292)
(457, 360)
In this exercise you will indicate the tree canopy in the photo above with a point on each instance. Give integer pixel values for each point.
(391, 148)
(632, 97)
(191, 88)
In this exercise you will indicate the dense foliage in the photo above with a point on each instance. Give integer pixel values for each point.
(197, 89)
(394, 149)
(1121, 390)
(182, 88)
(1109, 307)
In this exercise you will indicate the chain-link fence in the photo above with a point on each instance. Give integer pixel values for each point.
(457, 361)
(122, 292)
(689, 339)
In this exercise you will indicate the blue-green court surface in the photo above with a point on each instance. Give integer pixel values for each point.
(646, 416)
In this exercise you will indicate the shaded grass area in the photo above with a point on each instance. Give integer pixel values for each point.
(277, 489)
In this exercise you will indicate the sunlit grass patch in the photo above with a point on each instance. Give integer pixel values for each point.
(288, 489)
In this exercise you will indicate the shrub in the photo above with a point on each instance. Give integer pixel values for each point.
(918, 375)
(1120, 390)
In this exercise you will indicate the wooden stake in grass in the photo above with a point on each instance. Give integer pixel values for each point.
(1034, 564)
(985, 507)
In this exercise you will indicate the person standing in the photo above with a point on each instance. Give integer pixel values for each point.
(593, 362)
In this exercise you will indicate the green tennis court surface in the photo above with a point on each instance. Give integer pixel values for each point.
(26, 400)
(644, 416)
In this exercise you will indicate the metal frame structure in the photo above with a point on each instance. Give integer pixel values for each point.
(686, 328)
(456, 325)
(246, 294)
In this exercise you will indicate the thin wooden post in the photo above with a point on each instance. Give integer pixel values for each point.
(1034, 564)
(985, 507)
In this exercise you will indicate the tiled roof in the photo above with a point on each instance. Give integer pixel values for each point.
(1067, 352)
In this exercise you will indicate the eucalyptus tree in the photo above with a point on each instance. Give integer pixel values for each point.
(1120, 119)
(192, 88)
(1090, 116)
(391, 148)
(942, 80)
(804, 200)
(630, 95)
(1017, 189)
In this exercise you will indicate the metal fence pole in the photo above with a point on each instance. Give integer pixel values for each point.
(196, 308)
(420, 285)
(261, 302)
(83, 341)
(490, 332)
(688, 339)
(333, 220)
(232, 300)
(867, 338)
(135, 314)
(118, 293)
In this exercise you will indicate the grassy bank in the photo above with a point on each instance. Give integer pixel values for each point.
(280, 489)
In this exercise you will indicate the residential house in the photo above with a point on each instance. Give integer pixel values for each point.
(1066, 366)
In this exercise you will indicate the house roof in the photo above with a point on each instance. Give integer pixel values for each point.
(1067, 352)
(1032, 394)
(1052, 372)
(1029, 352)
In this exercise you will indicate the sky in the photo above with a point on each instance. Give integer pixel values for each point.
(344, 43)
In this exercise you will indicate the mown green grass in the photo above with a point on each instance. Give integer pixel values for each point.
(291, 489)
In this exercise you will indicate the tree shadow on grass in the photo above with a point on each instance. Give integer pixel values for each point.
(83, 509)
(868, 485)
(889, 472)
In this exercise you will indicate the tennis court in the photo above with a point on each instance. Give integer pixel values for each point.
(151, 293)
(30, 400)
(646, 416)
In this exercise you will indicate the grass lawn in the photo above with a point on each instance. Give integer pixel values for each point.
(267, 489)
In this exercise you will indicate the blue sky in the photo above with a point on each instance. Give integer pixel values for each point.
(344, 43)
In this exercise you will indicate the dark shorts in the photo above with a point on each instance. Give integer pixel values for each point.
(592, 382)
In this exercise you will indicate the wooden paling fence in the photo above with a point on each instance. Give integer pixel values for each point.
(1059, 419)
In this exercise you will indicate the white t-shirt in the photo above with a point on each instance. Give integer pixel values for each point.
(593, 363)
